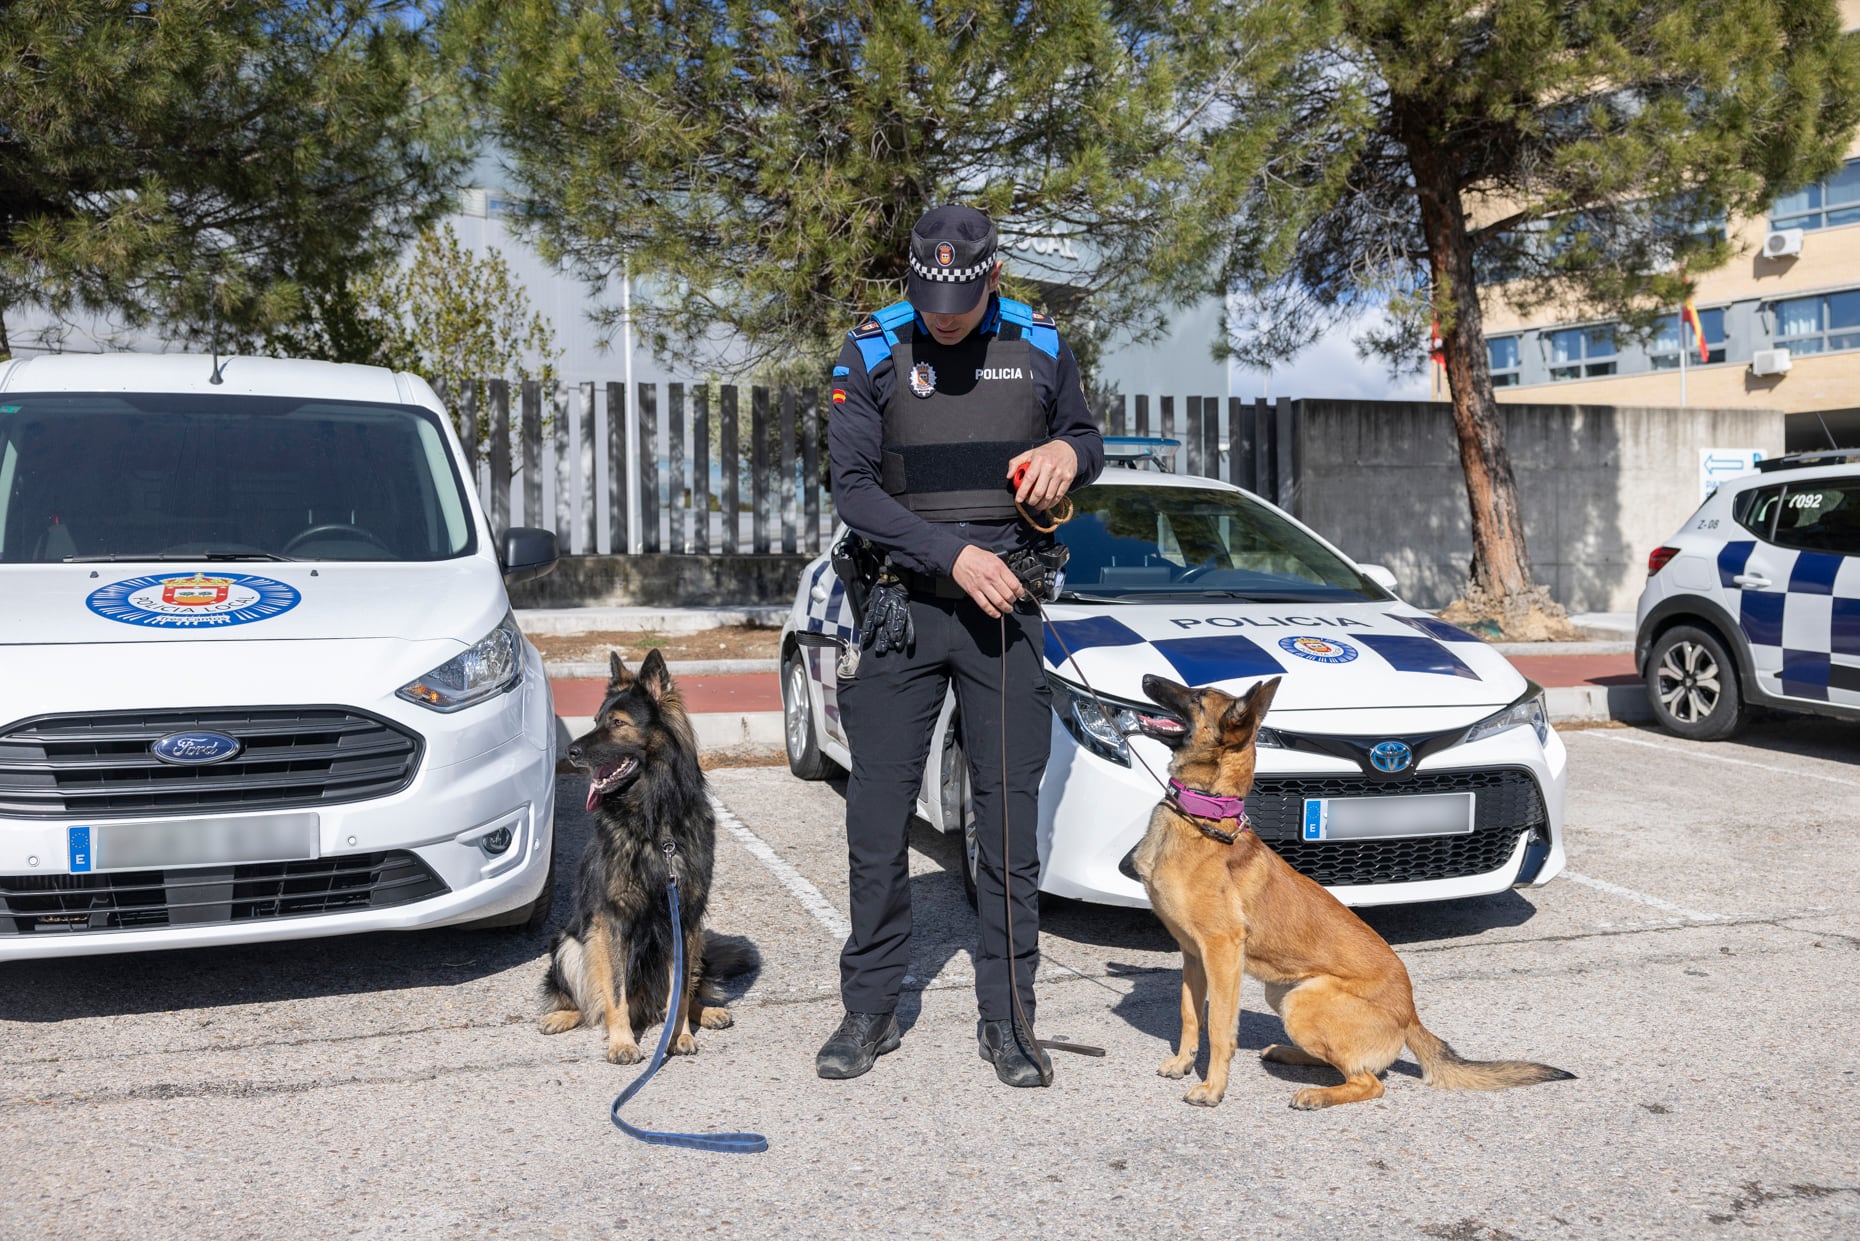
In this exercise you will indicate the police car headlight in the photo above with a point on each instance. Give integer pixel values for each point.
(1085, 720)
(490, 666)
(1529, 710)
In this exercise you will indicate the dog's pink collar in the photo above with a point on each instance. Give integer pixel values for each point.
(1199, 805)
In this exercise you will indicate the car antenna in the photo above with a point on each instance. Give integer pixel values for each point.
(213, 312)
(1824, 429)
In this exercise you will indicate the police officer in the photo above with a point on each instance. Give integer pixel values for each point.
(937, 402)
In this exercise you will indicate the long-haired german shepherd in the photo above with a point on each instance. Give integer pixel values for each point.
(1341, 991)
(614, 961)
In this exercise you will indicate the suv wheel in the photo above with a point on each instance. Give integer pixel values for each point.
(1692, 685)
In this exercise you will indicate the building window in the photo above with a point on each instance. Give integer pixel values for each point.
(1502, 352)
(1824, 204)
(1819, 324)
(1663, 349)
(1582, 352)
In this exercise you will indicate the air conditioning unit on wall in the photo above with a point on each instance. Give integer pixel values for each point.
(1769, 362)
(1782, 243)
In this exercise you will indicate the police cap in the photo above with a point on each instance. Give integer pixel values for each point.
(952, 252)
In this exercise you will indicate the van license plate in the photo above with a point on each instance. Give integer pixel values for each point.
(196, 842)
(1384, 818)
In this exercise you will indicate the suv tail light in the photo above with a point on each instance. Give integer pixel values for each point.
(1657, 558)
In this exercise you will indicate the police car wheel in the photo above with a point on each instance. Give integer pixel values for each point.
(1692, 685)
(958, 809)
(797, 716)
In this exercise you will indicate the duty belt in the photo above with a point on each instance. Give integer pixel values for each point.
(930, 585)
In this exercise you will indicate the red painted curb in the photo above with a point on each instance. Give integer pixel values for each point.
(729, 693)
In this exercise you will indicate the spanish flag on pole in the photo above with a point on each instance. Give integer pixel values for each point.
(1689, 315)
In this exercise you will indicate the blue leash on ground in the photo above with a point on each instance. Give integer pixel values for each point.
(721, 1143)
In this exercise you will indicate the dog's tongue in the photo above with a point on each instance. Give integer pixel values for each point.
(594, 794)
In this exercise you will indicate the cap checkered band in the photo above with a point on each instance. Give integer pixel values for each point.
(952, 275)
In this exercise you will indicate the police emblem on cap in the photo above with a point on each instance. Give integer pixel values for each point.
(923, 379)
(945, 254)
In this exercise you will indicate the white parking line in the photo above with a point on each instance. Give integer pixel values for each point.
(790, 878)
(1615, 889)
(1720, 758)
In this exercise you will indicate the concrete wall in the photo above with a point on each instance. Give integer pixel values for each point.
(1600, 487)
(663, 580)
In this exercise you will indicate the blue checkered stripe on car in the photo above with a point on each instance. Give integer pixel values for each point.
(1810, 626)
(831, 616)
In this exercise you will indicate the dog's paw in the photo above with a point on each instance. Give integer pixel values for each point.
(624, 1053)
(716, 1017)
(1175, 1066)
(561, 1021)
(1203, 1095)
(684, 1045)
(1310, 1099)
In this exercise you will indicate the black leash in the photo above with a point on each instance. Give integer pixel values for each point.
(720, 1143)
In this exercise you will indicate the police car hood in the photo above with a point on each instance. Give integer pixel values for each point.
(247, 601)
(1331, 656)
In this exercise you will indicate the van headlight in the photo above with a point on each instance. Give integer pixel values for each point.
(491, 665)
(1526, 710)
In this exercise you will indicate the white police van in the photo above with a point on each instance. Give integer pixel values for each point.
(259, 677)
(1756, 600)
(1404, 759)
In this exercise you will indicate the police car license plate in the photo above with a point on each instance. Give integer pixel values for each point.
(193, 842)
(1384, 818)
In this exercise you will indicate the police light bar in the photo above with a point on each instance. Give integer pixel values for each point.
(1131, 451)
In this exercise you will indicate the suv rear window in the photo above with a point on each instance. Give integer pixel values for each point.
(1818, 516)
(124, 475)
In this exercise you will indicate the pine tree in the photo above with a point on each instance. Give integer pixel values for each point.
(1579, 153)
(177, 163)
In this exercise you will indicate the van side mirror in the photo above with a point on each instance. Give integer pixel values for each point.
(528, 554)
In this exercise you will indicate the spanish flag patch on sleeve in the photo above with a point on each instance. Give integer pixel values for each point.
(839, 396)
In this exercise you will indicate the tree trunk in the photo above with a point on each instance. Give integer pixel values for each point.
(1502, 587)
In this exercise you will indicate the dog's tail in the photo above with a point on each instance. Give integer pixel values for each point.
(726, 956)
(1443, 1067)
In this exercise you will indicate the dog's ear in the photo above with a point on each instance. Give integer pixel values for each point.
(1244, 714)
(654, 675)
(619, 677)
(1170, 695)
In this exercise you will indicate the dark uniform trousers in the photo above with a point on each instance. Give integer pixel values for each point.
(889, 710)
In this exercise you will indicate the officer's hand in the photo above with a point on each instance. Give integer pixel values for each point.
(989, 582)
(1050, 470)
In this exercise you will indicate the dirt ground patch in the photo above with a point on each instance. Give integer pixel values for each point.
(724, 642)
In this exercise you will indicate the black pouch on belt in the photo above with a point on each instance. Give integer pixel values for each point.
(856, 563)
(1042, 570)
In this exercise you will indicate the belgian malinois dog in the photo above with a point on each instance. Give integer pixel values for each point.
(1235, 906)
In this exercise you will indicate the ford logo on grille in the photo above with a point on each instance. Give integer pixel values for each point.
(1391, 756)
(194, 749)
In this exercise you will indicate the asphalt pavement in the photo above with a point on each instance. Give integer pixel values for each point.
(1697, 967)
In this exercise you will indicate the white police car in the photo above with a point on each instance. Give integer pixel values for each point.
(1405, 760)
(1756, 600)
(259, 677)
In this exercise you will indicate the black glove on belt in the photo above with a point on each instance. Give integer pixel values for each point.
(887, 622)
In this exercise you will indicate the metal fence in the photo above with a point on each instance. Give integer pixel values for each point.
(686, 468)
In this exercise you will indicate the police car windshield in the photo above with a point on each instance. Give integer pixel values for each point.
(1136, 543)
(97, 476)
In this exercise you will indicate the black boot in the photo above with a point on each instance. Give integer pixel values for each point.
(1017, 1059)
(861, 1039)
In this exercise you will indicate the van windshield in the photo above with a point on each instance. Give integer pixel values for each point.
(101, 476)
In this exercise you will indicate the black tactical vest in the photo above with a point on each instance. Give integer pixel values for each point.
(957, 415)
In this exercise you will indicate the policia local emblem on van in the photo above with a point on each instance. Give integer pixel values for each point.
(923, 379)
(1321, 650)
(192, 600)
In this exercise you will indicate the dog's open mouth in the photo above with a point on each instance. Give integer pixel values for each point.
(1162, 727)
(604, 780)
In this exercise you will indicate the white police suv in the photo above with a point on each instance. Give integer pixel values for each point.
(1756, 600)
(1404, 759)
(259, 677)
